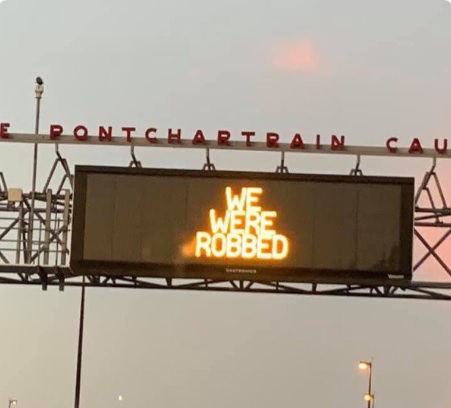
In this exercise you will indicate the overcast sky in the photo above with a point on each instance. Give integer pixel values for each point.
(368, 70)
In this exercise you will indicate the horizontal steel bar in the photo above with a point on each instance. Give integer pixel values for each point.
(416, 291)
(436, 211)
(234, 145)
(376, 288)
(433, 224)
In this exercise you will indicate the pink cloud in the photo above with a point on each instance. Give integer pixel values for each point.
(296, 56)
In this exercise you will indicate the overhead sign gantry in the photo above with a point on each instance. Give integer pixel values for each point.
(36, 228)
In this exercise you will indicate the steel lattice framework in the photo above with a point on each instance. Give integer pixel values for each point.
(35, 236)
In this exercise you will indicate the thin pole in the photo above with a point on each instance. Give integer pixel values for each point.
(38, 91)
(370, 385)
(80, 346)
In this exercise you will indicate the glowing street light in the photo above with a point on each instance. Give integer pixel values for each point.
(369, 396)
(363, 365)
(12, 401)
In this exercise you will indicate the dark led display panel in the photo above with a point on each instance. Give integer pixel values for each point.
(240, 225)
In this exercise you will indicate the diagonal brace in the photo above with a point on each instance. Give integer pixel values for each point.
(432, 250)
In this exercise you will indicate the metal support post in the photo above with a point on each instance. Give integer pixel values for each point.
(39, 90)
(80, 346)
(48, 218)
(66, 221)
(20, 230)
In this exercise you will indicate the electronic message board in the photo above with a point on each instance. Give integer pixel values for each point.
(240, 225)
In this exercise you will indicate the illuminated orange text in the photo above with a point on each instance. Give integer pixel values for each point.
(245, 230)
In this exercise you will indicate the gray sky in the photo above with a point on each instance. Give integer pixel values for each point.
(368, 70)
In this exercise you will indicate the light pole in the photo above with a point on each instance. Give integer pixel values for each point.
(39, 90)
(12, 401)
(80, 346)
(369, 396)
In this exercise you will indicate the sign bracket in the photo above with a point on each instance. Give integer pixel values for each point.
(134, 161)
(208, 165)
(282, 168)
(357, 171)
(67, 176)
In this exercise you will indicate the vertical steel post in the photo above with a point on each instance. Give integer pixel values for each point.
(80, 346)
(19, 233)
(48, 219)
(39, 90)
(66, 221)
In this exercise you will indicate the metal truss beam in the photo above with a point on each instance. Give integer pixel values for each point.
(62, 277)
